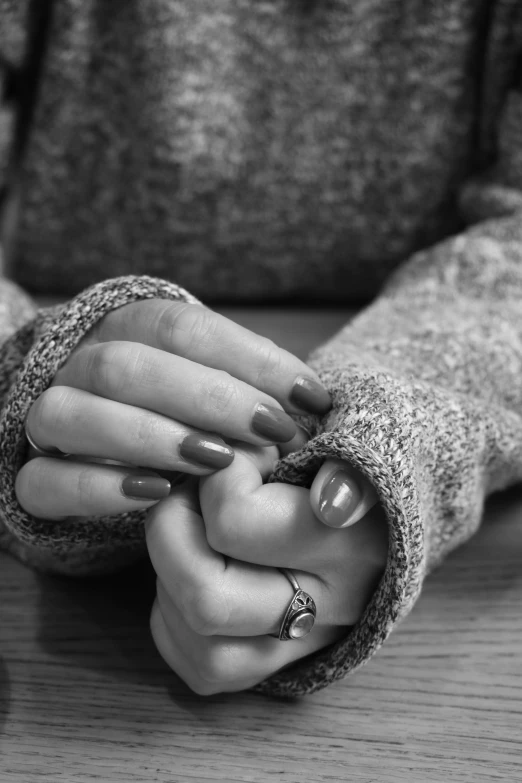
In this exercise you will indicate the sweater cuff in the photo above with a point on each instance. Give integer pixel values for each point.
(398, 587)
(30, 360)
(407, 440)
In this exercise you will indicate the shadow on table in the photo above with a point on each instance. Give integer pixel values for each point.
(102, 624)
(5, 693)
(100, 629)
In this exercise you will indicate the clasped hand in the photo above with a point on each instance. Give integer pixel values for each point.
(220, 596)
(172, 387)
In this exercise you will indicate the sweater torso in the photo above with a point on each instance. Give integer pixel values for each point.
(249, 150)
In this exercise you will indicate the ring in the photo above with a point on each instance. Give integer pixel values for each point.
(55, 453)
(300, 616)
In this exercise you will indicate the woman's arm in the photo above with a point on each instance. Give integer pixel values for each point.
(427, 390)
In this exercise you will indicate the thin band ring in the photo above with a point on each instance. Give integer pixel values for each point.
(300, 615)
(39, 452)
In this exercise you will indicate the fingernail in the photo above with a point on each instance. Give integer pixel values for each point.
(146, 487)
(205, 451)
(273, 424)
(310, 396)
(340, 497)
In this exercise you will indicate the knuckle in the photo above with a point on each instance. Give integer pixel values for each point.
(222, 396)
(28, 486)
(216, 668)
(181, 326)
(222, 530)
(270, 361)
(197, 675)
(35, 488)
(146, 435)
(202, 688)
(102, 370)
(114, 366)
(87, 488)
(50, 412)
(206, 611)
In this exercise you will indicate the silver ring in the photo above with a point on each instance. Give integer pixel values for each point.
(300, 615)
(39, 452)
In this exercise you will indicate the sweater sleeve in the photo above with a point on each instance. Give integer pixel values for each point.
(427, 389)
(34, 344)
(13, 30)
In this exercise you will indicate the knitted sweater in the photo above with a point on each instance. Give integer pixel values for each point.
(312, 149)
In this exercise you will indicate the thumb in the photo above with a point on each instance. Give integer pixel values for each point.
(340, 495)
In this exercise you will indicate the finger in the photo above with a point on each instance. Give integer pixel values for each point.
(210, 665)
(51, 489)
(248, 600)
(264, 458)
(265, 524)
(208, 399)
(78, 422)
(340, 495)
(205, 337)
(218, 597)
(275, 525)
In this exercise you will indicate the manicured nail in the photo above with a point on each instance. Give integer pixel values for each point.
(206, 451)
(310, 396)
(273, 424)
(146, 487)
(340, 497)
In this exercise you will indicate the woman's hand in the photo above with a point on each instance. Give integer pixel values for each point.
(157, 384)
(220, 596)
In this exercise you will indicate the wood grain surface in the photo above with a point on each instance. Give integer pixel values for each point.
(84, 696)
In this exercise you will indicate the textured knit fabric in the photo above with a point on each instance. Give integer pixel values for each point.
(13, 30)
(257, 149)
(29, 363)
(284, 146)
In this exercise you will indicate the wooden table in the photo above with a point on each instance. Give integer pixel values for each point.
(85, 697)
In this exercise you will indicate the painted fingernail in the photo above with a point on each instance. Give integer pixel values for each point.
(273, 424)
(310, 396)
(146, 487)
(340, 497)
(206, 451)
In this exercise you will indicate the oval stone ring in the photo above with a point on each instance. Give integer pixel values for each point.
(300, 616)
